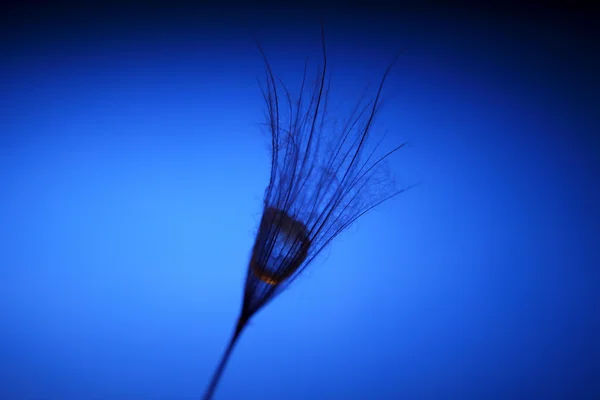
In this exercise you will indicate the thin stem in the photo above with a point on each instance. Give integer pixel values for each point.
(219, 371)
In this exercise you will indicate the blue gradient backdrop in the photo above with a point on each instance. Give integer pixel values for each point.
(132, 169)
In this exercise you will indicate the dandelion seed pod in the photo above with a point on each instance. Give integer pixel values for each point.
(281, 246)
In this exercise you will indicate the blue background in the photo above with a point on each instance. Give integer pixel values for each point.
(132, 169)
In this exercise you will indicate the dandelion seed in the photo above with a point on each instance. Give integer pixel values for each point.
(322, 179)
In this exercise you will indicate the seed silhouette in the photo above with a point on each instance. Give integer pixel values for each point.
(322, 179)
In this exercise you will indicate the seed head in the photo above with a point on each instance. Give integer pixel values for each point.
(322, 179)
